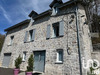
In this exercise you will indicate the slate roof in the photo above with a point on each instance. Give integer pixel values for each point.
(17, 25)
(41, 14)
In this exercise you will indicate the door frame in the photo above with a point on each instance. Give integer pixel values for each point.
(45, 56)
(4, 54)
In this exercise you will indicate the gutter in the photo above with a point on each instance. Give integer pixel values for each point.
(78, 39)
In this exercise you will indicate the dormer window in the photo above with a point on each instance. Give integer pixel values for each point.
(54, 11)
(54, 6)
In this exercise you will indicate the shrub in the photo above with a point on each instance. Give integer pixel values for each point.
(18, 61)
(30, 63)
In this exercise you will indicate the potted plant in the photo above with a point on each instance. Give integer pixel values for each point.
(30, 65)
(18, 61)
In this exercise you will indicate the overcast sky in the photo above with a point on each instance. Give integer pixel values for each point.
(15, 11)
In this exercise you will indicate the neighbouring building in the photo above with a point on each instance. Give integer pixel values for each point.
(59, 38)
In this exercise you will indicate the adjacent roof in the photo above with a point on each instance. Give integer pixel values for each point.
(17, 25)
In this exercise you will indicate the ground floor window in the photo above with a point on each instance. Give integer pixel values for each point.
(59, 56)
(24, 56)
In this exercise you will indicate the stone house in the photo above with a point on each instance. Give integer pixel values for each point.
(58, 38)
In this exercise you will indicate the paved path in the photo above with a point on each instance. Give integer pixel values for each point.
(6, 71)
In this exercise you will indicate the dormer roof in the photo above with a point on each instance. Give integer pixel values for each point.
(54, 2)
(33, 14)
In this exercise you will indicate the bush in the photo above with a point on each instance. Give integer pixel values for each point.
(18, 61)
(2, 37)
(30, 63)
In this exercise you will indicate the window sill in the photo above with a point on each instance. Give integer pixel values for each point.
(9, 45)
(58, 62)
(56, 37)
(23, 60)
(28, 41)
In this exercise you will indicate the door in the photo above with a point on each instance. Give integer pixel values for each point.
(39, 61)
(6, 59)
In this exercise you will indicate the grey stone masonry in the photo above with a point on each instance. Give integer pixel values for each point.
(67, 42)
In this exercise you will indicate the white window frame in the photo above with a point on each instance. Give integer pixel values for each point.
(54, 11)
(57, 59)
(24, 56)
(11, 40)
(30, 36)
(53, 27)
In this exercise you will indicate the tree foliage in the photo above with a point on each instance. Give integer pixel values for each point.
(2, 37)
(94, 19)
(30, 63)
(18, 61)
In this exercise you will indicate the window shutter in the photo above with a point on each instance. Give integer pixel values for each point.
(33, 35)
(61, 29)
(26, 34)
(48, 32)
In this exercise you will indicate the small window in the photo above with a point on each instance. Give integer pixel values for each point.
(11, 40)
(30, 35)
(56, 29)
(59, 56)
(24, 56)
(55, 10)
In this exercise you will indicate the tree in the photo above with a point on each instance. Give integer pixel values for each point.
(18, 61)
(30, 63)
(2, 37)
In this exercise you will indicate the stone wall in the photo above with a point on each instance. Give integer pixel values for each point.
(70, 65)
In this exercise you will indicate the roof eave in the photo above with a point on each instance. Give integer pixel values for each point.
(17, 25)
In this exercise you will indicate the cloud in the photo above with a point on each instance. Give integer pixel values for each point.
(19, 10)
(5, 14)
(15, 11)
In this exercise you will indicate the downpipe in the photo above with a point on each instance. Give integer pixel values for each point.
(78, 39)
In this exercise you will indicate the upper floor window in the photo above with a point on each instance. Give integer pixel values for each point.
(29, 35)
(58, 29)
(55, 9)
(11, 40)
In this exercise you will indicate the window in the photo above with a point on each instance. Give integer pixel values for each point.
(11, 40)
(30, 35)
(59, 56)
(24, 56)
(55, 9)
(48, 32)
(58, 29)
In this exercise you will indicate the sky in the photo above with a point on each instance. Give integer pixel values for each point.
(15, 11)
